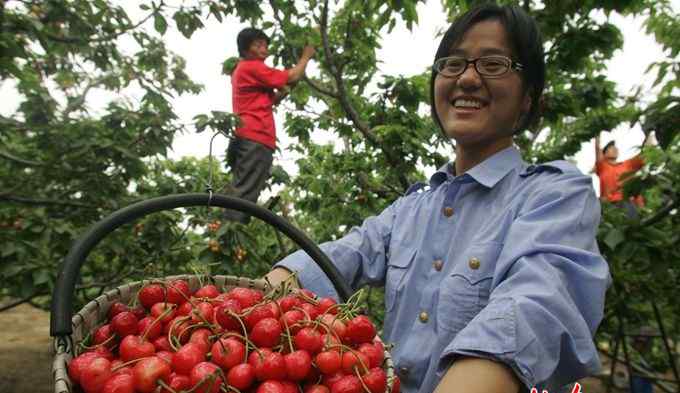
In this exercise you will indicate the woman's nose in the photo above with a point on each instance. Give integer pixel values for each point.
(470, 78)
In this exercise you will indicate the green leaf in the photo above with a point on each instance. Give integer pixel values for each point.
(614, 238)
(159, 23)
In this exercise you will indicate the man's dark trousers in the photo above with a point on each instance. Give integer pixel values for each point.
(250, 164)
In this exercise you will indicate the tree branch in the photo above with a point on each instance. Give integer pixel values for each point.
(80, 40)
(320, 89)
(23, 161)
(42, 202)
(661, 214)
(19, 302)
(345, 102)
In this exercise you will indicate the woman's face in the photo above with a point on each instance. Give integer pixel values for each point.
(475, 110)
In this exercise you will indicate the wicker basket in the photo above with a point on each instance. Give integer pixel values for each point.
(70, 330)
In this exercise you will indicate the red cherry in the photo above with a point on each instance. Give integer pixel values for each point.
(224, 312)
(329, 362)
(266, 333)
(124, 324)
(207, 291)
(208, 376)
(180, 328)
(94, 375)
(271, 367)
(162, 344)
(270, 387)
(133, 347)
(396, 385)
(117, 308)
(116, 365)
(185, 309)
(148, 371)
(75, 367)
(202, 312)
(289, 387)
(327, 305)
(334, 324)
(374, 355)
(298, 365)
(308, 339)
(376, 380)
(360, 329)
(287, 303)
(178, 383)
(290, 319)
(103, 352)
(354, 360)
(347, 384)
(150, 328)
(228, 352)
(178, 291)
(257, 314)
(245, 296)
(241, 376)
(165, 355)
(104, 334)
(139, 311)
(151, 294)
(168, 310)
(330, 380)
(119, 383)
(201, 337)
(187, 357)
(256, 358)
(311, 310)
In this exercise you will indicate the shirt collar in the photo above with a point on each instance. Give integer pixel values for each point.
(487, 173)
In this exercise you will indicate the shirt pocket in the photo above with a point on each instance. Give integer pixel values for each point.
(466, 289)
(397, 266)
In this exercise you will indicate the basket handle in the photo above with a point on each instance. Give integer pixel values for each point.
(62, 296)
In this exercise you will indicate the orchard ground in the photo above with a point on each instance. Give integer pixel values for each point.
(26, 359)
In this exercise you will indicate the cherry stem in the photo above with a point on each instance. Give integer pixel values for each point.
(366, 389)
(129, 362)
(165, 386)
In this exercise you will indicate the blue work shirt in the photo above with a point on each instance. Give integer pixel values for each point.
(500, 263)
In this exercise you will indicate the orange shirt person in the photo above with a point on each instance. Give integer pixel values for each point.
(613, 174)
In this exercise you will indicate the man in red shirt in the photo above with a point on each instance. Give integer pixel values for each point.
(613, 174)
(256, 88)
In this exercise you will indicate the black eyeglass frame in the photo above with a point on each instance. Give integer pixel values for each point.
(511, 65)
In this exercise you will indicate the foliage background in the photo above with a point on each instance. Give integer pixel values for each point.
(64, 166)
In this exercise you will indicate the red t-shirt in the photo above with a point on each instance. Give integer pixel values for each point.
(252, 94)
(612, 177)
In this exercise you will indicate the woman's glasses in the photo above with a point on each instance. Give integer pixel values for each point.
(488, 66)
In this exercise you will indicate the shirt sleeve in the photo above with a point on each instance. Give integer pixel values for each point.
(634, 163)
(267, 76)
(543, 313)
(360, 256)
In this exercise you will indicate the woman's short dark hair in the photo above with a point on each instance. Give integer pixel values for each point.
(246, 37)
(527, 45)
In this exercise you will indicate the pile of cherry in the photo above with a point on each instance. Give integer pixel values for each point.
(239, 341)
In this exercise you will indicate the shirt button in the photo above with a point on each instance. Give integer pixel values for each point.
(423, 317)
(403, 371)
(448, 211)
(474, 263)
(438, 264)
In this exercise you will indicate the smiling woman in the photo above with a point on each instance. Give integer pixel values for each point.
(493, 277)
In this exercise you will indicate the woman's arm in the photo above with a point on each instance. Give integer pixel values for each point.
(476, 375)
